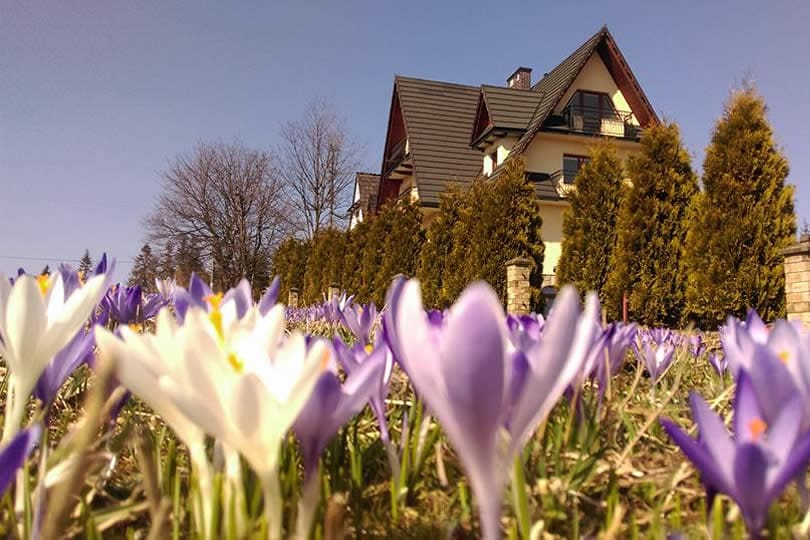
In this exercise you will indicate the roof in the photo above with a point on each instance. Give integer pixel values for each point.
(438, 117)
(510, 108)
(368, 184)
(554, 84)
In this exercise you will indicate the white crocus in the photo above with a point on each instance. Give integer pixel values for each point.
(141, 360)
(242, 381)
(36, 321)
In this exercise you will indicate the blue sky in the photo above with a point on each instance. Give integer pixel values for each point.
(96, 98)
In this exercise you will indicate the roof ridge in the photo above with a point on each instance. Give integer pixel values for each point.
(420, 79)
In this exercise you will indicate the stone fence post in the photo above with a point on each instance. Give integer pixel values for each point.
(292, 298)
(334, 291)
(518, 288)
(797, 280)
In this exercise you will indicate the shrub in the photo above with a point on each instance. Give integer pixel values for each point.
(647, 263)
(742, 220)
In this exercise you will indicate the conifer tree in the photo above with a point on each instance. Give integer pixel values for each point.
(401, 246)
(500, 222)
(166, 264)
(144, 269)
(373, 254)
(324, 264)
(356, 238)
(437, 247)
(589, 223)
(189, 259)
(647, 263)
(289, 263)
(742, 220)
(85, 264)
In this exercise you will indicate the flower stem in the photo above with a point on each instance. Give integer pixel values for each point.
(272, 503)
(307, 507)
(200, 463)
(11, 411)
(520, 500)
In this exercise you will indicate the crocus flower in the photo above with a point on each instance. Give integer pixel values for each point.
(330, 406)
(718, 362)
(270, 296)
(463, 371)
(753, 467)
(129, 305)
(524, 330)
(72, 355)
(657, 358)
(36, 321)
(242, 381)
(13, 456)
(696, 345)
(360, 320)
(166, 288)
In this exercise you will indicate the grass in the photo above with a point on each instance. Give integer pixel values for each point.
(608, 472)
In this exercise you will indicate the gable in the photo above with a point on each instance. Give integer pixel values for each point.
(595, 77)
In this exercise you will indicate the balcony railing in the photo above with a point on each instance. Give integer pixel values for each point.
(600, 121)
(396, 156)
(563, 176)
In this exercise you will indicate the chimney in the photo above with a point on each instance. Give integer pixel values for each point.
(521, 78)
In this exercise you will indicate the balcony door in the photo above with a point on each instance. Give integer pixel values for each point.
(588, 109)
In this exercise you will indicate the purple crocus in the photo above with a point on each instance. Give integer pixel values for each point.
(270, 296)
(657, 358)
(78, 351)
(753, 467)
(696, 345)
(129, 305)
(463, 370)
(718, 361)
(13, 456)
(524, 330)
(360, 320)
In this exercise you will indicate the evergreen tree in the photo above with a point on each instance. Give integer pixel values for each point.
(589, 223)
(289, 263)
(401, 246)
(324, 264)
(647, 262)
(373, 254)
(166, 265)
(742, 220)
(356, 238)
(189, 259)
(437, 248)
(85, 264)
(144, 269)
(500, 222)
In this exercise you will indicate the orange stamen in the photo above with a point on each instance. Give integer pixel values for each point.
(235, 363)
(214, 300)
(757, 427)
(44, 282)
(784, 356)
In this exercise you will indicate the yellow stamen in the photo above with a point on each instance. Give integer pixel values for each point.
(81, 277)
(235, 363)
(44, 282)
(135, 327)
(369, 348)
(214, 300)
(757, 427)
(216, 320)
(784, 356)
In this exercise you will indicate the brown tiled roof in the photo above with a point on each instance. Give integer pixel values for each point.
(510, 108)
(439, 117)
(368, 184)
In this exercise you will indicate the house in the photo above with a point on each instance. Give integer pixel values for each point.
(440, 132)
(366, 189)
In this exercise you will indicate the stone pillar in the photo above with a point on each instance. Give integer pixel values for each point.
(292, 298)
(797, 280)
(334, 291)
(518, 288)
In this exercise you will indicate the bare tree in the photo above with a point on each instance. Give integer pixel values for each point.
(318, 162)
(228, 201)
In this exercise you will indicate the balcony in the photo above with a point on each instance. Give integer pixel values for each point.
(563, 176)
(396, 156)
(598, 121)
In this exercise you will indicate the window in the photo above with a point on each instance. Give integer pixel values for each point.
(571, 166)
(586, 110)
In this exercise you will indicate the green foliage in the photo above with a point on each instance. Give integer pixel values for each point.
(500, 221)
(187, 260)
(589, 224)
(324, 264)
(144, 269)
(401, 245)
(289, 263)
(166, 264)
(742, 220)
(86, 263)
(647, 262)
(356, 238)
(373, 253)
(439, 241)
